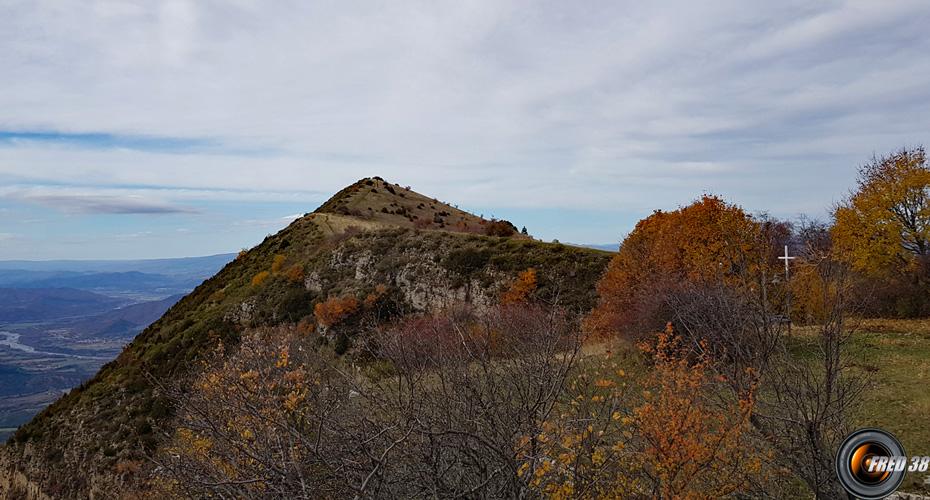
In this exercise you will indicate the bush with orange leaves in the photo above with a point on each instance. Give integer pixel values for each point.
(335, 309)
(260, 278)
(277, 265)
(521, 289)
(295, 273)
(692, 447)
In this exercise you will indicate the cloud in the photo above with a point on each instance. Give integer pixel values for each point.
(107, 141)
(107, 205)
(132, 236)
(618, 105)
(93, 201)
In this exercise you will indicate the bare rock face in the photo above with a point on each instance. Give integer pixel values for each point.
(313, 282)
(419, 276)
(15, 484)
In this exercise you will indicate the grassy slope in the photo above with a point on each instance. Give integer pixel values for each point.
(111, 417)
(895, 354)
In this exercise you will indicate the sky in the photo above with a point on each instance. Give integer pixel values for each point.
(181, 128)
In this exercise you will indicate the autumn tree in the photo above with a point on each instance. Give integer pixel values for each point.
(692, 447)
(335, 309)
(883, 229)
(521, 289)
(707, 243)
(885, 223)
(658, 435)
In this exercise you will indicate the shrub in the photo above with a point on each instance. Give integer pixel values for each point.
(295, 273)
(521, 289)
(500, 228)
(466, 261)
(278, 263)
(335, 309)
(260, 278)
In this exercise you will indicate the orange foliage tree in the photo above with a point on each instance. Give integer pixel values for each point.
(521, 289)
(676, 441)
(334, 309)
(708, 241)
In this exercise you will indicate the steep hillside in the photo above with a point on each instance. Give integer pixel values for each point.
(365, 240)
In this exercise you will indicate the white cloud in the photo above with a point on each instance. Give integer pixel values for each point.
(628, 105)
(94, 201)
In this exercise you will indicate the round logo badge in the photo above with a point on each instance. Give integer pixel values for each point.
(865, 464)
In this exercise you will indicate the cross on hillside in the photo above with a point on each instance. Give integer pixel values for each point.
(787, 258)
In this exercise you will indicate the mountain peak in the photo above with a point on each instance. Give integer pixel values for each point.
(378, 201)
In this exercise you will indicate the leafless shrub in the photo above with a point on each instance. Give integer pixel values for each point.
(447, 417)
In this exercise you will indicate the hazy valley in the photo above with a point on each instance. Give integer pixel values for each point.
(60, 321)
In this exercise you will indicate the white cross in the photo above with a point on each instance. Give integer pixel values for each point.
(786, 258)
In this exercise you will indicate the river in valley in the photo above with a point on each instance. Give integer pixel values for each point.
(11, 340)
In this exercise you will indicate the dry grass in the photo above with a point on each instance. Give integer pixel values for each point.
(382, 202)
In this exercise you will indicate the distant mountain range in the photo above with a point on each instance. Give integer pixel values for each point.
(178, 266)
(61, 320)
(610, 247)
(136, 280)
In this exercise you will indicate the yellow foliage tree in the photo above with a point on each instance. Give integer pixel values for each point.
(884, 226)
